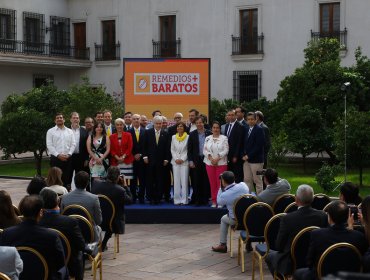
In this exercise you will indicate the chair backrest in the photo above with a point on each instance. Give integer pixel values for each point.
(256, 217)
(34, 264)
(291, 208)
(320, 200)
(66, 245)
(16, 210)
(75, 209)
(339, 257)
(4, 276)
(108, 212)
(326, 206)
(240, 206)
(299, 248)
(86, 227)
(272, 230)
(282, 202)
(1, 230)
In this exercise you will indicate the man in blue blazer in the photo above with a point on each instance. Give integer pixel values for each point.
(253, 152)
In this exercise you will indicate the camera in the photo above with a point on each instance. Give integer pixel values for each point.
(261, 172)
(354, 211)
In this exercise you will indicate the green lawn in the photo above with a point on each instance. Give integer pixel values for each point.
(293, 172)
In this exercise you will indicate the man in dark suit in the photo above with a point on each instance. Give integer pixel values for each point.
(260, 122)
(30, 234)
(234, 132)
(66, 225)
(109, 127)
(322, 239)
(240, 115)
(138, 136)
(116, 194)
(280, 261)
(127, 116)
(156, 156)
(80, 156)
(201, 191)
(193, 113)
(253, 151)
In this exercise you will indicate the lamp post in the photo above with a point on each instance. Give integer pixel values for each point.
(345, 88)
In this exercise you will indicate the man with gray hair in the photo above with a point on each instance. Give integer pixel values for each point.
(172, 130)
(290, 225)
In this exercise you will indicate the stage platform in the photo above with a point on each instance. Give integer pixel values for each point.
(168, 213)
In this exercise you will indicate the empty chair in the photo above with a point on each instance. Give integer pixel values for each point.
(34, 264)
(339, 257)
(291, 208)
(282, 202)
(75, 209)
(240, 206)
(320, 200)
(255, 219)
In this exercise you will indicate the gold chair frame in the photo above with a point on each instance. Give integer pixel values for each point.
(97, 261)
(280, 197)
(241, 241)
(323, 195)
(83, 209)
(332, 248)
(66, 241)
(233, 227)
(256, 255)
(290, 206)
(3, 276)
(38, 254)
(16, 210)
(116, 236)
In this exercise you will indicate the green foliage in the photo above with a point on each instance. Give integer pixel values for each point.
(325, 177)
(12, 103)
(278, 150)
(219, 109)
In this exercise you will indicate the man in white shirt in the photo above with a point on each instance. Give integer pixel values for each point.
(61, 144)
(227, 195)
(109, 127)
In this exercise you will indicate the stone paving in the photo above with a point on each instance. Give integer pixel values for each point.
(162, 251)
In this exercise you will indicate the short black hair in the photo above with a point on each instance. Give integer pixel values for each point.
(195, 111)
(253, 114)
(338, 211)
(350, 193)
(113, 174)
(156, 111)
(30, 206)
(216, 122)
(36, 185)
(242, 109)
(50, 198)
(199, 118)
(127, 113)
(228, 177)
(98, 113)
(82, 179)
(271, 175)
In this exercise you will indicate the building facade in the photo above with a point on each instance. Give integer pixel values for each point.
(252, 44)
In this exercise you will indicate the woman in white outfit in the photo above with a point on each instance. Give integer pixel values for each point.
(180, 166)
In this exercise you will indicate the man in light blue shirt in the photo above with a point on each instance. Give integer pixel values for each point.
(227, 195)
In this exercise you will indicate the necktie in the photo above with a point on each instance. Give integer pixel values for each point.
(157, 137)
(229, 130)
(249, 131)
(137, 134)
(108, 131)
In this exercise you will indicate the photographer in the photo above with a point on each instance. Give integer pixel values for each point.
(275, 186)
(227, 195)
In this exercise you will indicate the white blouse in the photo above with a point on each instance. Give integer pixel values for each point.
(179, 150)
(216, 147)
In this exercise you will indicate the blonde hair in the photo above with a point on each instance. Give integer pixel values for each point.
(119, 120)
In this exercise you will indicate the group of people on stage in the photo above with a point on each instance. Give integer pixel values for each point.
(147, 153)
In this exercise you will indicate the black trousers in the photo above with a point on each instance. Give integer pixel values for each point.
(237, 169)
(167, 181)
(200, 183)
(155, 179)
(139, 174)
(65, 166)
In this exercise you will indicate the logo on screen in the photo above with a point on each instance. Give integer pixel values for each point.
(142, 83)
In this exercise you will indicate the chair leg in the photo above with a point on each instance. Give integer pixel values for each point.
(242, 254)
(253, 265)
(239, 245)
(261, 268)
(231, 241)
(117, 243)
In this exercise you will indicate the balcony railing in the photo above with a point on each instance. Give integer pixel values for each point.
(242, 45)
(341, 36)
(42, 49)
(107, 52)
(166, 48)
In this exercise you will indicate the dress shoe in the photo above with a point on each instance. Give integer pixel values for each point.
(221, 248)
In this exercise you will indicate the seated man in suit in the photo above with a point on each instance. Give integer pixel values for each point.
(280, 261)
(322, 239)
(116, 194)
(88, 200)
(30, 234)
(66, 225)
(11, 263)
(275, 186)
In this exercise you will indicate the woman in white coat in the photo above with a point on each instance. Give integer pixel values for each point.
(180, 166)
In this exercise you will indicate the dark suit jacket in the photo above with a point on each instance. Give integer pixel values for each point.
(82, 145)
(254, 144)
(235, 140)
(172, 130)
(117, 194)
(138, 147)
(323, 238)
(47, 242)
(156, 153)
(290, 225)
(266, 131)
(193, 145)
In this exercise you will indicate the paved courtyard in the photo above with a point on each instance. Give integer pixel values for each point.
(162, 251)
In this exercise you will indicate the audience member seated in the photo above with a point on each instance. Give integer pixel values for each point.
(66, 225)
(117, 195)
(323, 238)
(54, 181)
(349, 193)
(88, 200)
(36, 185)
(280, 261)
(8, 217)
(11, 263)
(275, 187)
(227, 195)
(30, 234)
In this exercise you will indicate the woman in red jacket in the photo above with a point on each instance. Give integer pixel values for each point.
(121, 150)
